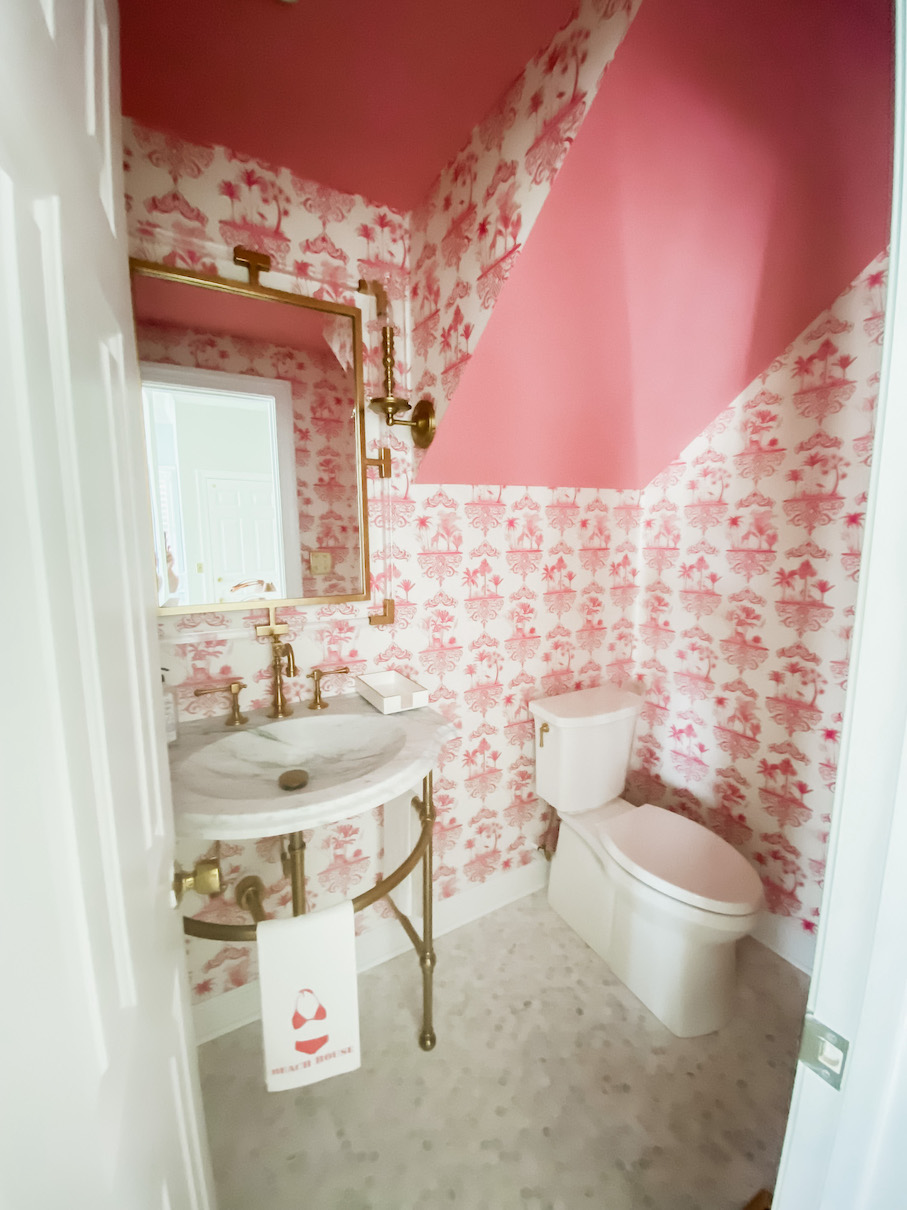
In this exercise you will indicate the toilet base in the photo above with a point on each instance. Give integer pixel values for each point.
(679, 960)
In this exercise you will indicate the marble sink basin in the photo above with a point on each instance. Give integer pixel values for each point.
(225, 783)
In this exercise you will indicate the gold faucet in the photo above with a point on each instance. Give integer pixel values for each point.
(280, 707)
(237, 718)
(315, 675)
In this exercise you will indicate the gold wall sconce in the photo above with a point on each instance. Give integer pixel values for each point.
(390, 405)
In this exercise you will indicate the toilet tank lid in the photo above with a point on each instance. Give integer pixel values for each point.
(586, 706)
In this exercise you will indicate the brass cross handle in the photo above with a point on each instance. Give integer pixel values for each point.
(316, 675)
(236, 718)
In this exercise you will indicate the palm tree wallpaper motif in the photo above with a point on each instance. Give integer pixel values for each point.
(738, 732)
(802, 604)
(524, 543)
(440, 538)
(754, 536)
(662, 541)
(698, 596)
(821, 469)
(559, 592)
(656, 629)
(745, 648)
(622, 573)
(483, 602)
(761, 455)
(595, 541)
(259, 204)
(707, 506)
(696, 659)
(387, 252)
(825, 386)
(593, 630)
(798, 684)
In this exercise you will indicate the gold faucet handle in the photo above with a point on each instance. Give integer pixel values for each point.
(236, 718)
(316, 675)
(205, 878)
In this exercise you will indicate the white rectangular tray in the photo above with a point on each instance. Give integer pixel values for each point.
(391, 692)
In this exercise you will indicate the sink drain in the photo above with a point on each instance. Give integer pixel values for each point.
(293, 779)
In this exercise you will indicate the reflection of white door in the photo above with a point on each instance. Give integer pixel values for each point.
(99, 1098)
(242, 535)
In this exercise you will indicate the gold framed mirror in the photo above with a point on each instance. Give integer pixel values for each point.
(254, 424)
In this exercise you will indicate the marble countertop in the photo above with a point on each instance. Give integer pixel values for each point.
(225, 779)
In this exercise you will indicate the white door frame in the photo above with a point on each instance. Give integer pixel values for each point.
(844, 1150)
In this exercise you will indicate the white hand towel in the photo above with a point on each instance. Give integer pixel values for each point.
(309, 997)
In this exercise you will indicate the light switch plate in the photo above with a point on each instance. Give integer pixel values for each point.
(320, 562)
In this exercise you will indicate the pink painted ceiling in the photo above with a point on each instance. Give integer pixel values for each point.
(731, 179)
(370, 98)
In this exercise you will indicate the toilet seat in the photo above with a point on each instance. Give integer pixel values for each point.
(673, 855)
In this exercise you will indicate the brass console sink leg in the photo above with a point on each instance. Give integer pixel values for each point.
(294, 868)
(427, 958)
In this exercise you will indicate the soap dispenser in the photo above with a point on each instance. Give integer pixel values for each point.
(171, 714)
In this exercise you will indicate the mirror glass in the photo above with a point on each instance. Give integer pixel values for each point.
(253, 421)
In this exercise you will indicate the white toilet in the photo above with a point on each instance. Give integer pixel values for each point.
(662, 899)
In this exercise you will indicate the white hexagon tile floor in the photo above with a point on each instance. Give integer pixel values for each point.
(551, 1088)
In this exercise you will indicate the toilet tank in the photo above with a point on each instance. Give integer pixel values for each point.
(581, 761)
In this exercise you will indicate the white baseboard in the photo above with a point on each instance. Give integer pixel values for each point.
(221, 1014)
(785, 936)
(240, 1006)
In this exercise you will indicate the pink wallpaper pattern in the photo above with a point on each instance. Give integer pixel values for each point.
(744, 595)
(468, 232)
(326, 472)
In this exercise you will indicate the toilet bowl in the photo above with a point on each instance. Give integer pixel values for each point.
(659, 897)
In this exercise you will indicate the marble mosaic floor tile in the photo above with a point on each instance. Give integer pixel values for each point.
(551, 1088)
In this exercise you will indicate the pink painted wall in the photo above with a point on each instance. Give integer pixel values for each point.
(731, 177)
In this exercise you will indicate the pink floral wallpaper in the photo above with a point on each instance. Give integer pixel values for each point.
(468, 232)
(743, 598)
(724, 590)
(326, 471)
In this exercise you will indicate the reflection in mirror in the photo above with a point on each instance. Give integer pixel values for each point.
(223, 475)
(253, 420)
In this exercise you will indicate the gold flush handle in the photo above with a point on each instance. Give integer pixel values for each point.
(205, 878)
(543, 731)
